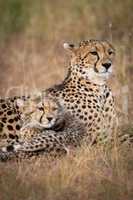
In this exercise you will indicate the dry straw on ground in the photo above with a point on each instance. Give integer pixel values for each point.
(97, 173)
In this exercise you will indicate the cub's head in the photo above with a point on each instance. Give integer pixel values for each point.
(92, 60)
(39, 111)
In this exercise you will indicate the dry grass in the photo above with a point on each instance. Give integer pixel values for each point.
(31, 56)
(90, 174)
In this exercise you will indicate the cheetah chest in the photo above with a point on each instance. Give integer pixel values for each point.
(93, 106)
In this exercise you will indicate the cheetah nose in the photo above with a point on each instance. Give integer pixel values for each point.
(107, 65)
(49, 119)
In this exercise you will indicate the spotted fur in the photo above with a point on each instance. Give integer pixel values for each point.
(43, 138)
(10, 122)
(84, 92)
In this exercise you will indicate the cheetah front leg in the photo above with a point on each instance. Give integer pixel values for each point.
(40, 145)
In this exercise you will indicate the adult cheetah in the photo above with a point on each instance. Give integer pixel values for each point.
(84, 92)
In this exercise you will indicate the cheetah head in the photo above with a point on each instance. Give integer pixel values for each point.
(92, 60)
(52, 112)
(39, 111)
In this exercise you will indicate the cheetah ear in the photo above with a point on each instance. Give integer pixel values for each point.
(36, 93)
(20, 102)
(36, 96)
(70, 47)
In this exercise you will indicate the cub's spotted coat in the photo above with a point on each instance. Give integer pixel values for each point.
(47, 129)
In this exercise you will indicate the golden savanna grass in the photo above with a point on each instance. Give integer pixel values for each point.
(31, 57)
(95, 173)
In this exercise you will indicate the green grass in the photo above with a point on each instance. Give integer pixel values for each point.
(111, 18)
(14, 15)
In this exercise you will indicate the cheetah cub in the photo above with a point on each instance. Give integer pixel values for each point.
(46, 129)
(38, 114)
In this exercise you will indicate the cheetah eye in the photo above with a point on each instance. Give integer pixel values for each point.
(93, 53)
(54, 108)
(28, 114)
(41, 108)
(110, 52)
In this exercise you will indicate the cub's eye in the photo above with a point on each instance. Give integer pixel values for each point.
(28, 114)
(54, 108)
(41, 108)
(110, 52)
(93, 53)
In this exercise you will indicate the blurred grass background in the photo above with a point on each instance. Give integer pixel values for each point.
(32, 33)
(31, 56)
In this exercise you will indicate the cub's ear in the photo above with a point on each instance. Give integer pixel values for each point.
(20, 102)
(36, 96)
(70, 47)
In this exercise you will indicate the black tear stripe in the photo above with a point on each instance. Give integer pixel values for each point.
(98, 58)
